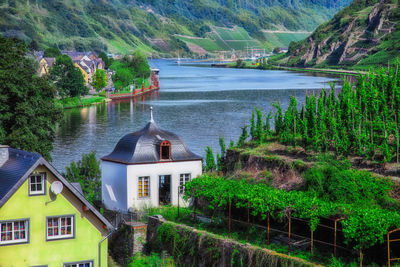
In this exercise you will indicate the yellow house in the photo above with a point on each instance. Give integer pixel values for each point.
(85, 71)
(44, 219)
(44, 65)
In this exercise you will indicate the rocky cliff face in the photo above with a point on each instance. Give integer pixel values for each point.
(364, 33)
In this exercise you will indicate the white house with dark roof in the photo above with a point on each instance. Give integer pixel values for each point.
(147, 168)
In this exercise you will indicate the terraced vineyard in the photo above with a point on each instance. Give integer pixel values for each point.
(221, 38)
(237, 38)
(283, 39)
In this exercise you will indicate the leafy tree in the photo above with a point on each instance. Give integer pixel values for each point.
(253, 126)
(221, 157)
(210, 160)
(267, 125)
(105, 59)
(259, 133)
(67, 78)
(277, 50)
(243, 137)
(222, 146)
(240, 63)
(87, 173)
(52, 52)
(99, 79)
(129, 70)
(140, 65)
(279, 127)
(28, 115)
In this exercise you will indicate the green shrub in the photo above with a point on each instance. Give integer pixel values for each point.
(152, 260)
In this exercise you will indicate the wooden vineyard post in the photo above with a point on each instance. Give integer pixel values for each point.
(290, 223)
(335, 236)
(388, 249)
(312, 243)
(334, 240)
(194, 212)
(178, 201)
(268, 229)
(229, 223)
(248, 222)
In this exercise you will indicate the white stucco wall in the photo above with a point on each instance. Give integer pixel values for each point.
(114, 175)
(153, 171)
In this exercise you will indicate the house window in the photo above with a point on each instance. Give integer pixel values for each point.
(185, 177)
(60, 227)
(13, 232)
(144, 186)
(165, 150)
(79, 264)
(37, 184)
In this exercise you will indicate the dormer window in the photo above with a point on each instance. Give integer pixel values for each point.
(165, 150)
(37, 182)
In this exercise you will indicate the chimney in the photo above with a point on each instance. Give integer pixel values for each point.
(3, 154)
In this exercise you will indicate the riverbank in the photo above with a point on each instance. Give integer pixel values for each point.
(252, 65)
(77, 102)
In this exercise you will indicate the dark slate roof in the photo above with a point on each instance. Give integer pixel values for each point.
(50, 61)
(144, 147)
(19, 163)
(18, 167)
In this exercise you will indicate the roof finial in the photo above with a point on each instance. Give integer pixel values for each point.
(151, 114)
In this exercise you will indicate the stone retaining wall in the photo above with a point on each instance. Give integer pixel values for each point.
(192, 247)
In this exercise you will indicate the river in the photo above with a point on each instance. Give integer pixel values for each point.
(196, 102)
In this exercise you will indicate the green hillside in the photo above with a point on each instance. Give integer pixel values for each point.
(283, 39)
(122, 26)
(364, 34)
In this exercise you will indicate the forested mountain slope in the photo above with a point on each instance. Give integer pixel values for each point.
(363, 34)
(121, 25)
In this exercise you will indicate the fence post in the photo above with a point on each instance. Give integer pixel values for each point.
(268, 229)
(388, 249)
(194, 212)
(248, 221)
(178, 201)
(312, 243)
(290, 222)
(334, 239)
(229, 223)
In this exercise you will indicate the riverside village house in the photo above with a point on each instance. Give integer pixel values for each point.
(44, 219)
(147, 168)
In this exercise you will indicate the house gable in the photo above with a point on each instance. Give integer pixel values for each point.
(88, 228)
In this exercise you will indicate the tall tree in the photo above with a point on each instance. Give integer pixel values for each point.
(87, 173)
(105, 59)
(28, 115)
(67, 78)
(99, 79)
(140, 65)
(52, 52)
(210, 160)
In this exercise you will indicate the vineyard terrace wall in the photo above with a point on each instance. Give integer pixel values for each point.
(191, 247)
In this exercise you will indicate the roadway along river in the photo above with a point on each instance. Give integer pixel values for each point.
(198, 103)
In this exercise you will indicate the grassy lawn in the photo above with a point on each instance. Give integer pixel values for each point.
(76, 102)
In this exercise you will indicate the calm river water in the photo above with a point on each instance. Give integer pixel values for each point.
(196, 102)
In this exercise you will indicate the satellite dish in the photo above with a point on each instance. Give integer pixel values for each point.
(56, 187)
